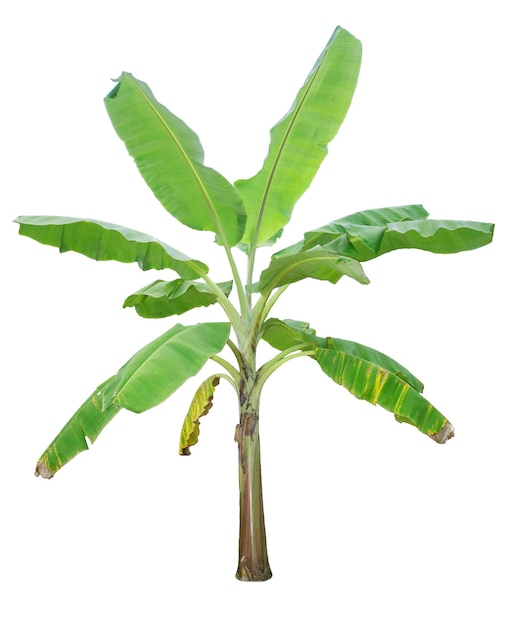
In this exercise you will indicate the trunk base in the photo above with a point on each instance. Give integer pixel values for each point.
(257, 575)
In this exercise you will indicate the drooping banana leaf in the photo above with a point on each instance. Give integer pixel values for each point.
(298, 142)
(200, 406)
(86, 423)
(316, 263)
(373, 381)
(162, 366)
(169, 156)
(285, 334)
(162, 298)
(147, 379)
(108, 242)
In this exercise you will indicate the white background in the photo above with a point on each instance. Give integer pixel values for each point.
(369, 522)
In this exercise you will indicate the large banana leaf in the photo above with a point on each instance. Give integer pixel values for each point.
(372, 380)
(162, 298)
(162, 366)
(200, 406)
(147, 379)
(86, 423)
(169, 156)
(440, 236)
(366, 235)
(316, 263)
(285, 334)
(108, 242)
(298, 142)
(371, 217)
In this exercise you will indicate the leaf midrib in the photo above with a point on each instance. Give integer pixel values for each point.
(119, 390)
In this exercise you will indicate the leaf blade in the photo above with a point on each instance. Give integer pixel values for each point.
(369, 234)
(317, 263)
(169, 156)
(103, 241)
(438, 236)
(298, 142)
(371, 217)
(162, 366)
(163, 299)
(285, 334)
(87, 423)
(200, 406)
(376, 384)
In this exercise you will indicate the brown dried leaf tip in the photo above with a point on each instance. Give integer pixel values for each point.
(41, 469)
(445, 433)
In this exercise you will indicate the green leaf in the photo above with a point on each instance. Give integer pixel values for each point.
(368, 234)
(162, 366)
(442, 236)
(316, 263)
(147, 379)
(200, 406)
(298, 142)
(169, 156)
(369, 218)
(108, 242)
(364, 243)
(379, 359)
(373, 380)
(162, 298)
(86, 423)
(285, 334)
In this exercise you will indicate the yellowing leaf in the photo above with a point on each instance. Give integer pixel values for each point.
(200, 406)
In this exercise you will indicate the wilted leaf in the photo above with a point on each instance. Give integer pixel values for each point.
(200, 406)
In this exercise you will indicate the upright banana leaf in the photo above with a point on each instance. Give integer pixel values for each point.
(317, 263)
(373, 380)
(108, 242)
(162, 298)
(298, 142)
(86, 423)
(169, 156)
(200, 406)
(162, 366)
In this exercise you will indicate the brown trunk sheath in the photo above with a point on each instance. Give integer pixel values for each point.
(253, 558)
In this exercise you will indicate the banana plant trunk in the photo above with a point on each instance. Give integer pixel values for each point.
(253, 557)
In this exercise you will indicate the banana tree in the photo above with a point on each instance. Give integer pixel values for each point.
(246, 214)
